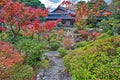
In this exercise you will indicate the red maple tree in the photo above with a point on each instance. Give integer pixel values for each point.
(17, 16)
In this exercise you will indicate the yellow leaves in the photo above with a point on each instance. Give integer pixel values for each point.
(81, 23)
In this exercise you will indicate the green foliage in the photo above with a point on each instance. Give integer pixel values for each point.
(92, 22)
(32, 51)
(44, 63)
(114, 8)
(20, 72)
(53, 37)
(89, 26)
(54, 45)
(81, 44)
(118, 50)
(98, 60)
(3, 35)
(92, 3)
(110, 26)
(28, 46)
(104, 35)
(33, 59)
(62, 51)
(33, 3)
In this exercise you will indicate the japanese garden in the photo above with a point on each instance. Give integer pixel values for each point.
(77, 40)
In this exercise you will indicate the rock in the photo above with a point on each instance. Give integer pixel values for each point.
(91, 30)
(100, 30)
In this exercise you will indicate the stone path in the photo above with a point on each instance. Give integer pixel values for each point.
(56, 70)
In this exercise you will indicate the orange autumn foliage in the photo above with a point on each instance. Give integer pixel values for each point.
(8, 54)
(82, 12)
(60, 32)
(67, 42)
(95, 35)
(2, 2)
(67, 3)
(83, 32)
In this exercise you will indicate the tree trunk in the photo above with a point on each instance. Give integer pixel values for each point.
(15, 33)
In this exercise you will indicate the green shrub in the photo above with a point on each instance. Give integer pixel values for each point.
(54, 45)
(62, 52)
(98, 60)
(6, 36)
(81, 44)
(110, 32)
(44, 63)
(104, 35)
(20, 72)
(118, 50)
(33, 59)
(3, 35)
(32, 51)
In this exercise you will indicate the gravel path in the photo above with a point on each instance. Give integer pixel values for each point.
(56, 70)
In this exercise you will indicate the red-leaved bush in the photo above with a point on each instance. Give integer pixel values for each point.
(8, 54)
(83, 32)
(38, 27)
(1, 21)
(95, 35)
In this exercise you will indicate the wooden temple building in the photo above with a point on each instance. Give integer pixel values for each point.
(67, 16)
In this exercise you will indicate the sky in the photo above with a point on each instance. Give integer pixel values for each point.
(54, 3)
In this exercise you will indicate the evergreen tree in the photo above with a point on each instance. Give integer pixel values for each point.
(112, 24)
(33, 3)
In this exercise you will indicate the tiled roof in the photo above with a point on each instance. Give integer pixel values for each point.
(64, 9)
(60, 17)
